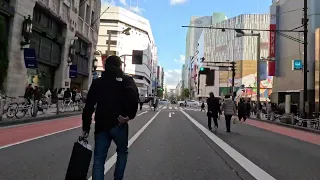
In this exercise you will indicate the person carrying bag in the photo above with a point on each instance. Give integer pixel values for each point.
(230, 110)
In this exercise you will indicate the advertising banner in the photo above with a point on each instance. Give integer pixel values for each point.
(272, 39)
(30, 58)
(73, 71)
(263, 70)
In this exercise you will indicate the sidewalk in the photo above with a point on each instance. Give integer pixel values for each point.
(277, 121)
(51, 113)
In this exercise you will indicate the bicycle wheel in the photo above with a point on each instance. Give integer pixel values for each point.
(44, 107)
(11, 110)
(21, 110)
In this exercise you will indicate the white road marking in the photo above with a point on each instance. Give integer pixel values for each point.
(142, 113)
(50, 134)
(164, 107)
(249, 166)
(169, 115)
(175, 107)
(111, 161)
(170, 107)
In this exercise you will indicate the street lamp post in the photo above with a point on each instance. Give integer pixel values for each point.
(240, 33)
(126, 32)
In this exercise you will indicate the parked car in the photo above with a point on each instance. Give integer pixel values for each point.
(192, 103)
(164, 102)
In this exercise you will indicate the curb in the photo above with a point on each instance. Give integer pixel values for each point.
(36, 119)
(288, 125)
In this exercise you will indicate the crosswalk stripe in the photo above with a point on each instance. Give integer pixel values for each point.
(170, 107)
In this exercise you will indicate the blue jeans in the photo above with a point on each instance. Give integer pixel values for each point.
(119, 135)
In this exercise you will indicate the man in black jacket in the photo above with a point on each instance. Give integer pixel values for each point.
(116, 97)
(213, 110)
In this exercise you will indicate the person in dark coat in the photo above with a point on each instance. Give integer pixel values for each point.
(116, 98)
(213, 110)
(242, 110)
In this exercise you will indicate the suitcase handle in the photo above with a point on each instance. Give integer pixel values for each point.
(83, 139)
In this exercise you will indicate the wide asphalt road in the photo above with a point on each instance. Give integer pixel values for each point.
(167, 144)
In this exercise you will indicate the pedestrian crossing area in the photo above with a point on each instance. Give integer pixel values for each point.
(174, 108)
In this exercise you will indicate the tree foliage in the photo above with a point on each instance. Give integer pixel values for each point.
(185, 93)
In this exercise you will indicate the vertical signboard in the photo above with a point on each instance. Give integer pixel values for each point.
(272, 39)
(73, 71)
(30, 58)
(263, 70)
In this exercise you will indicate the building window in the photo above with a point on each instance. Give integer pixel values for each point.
(112, 53)
(111, 42)
(92, 18)
(112, 32)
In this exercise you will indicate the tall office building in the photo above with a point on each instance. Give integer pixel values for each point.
(114, 21)
(224, 46)
(64, 36)
(192, 37)
(287, 80)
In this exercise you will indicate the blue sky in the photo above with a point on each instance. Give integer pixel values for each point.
(167, 17)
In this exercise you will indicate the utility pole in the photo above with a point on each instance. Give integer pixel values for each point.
(258, 74)
(225, 66)
(233, 64)
(305, 57)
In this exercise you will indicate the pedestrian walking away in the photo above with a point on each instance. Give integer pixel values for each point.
(116, 98)
(213, 110)
(242, 110)
(229, 109)
(202, 106)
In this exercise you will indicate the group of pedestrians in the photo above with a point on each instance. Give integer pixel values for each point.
(229, 108)
(215, 108)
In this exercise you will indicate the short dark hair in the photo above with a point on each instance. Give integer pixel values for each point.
(113, 61)
(227, 96)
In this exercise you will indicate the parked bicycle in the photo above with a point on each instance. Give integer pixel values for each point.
(25, 108)
(10, 106)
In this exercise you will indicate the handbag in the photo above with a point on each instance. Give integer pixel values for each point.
(79, 161)
(234, 119)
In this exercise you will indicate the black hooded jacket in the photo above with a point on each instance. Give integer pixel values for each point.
(115, 94)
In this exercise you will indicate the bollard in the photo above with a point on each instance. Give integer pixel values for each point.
(2, 102)
(35, 108)
(288, 104)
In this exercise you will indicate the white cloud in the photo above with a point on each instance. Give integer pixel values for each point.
(172, 77)
(109, 2)
(174, 2)
(181, 60)
(123, 2)
(136, 9)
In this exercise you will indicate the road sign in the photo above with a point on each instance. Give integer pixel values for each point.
(297, 64)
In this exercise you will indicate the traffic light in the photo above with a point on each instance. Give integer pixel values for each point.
(137, 57)
(204, 70)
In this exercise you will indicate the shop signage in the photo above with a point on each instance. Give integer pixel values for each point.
(296, 64)
(30, 58)
(73, 71)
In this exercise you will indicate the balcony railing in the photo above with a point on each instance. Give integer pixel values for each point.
(6, 8)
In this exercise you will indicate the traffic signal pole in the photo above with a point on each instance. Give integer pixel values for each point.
(305, 58)
(226, 65)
